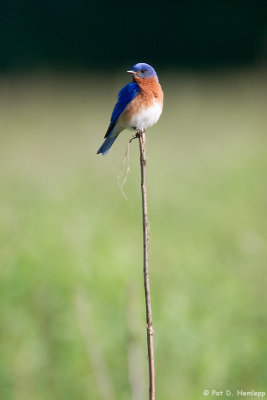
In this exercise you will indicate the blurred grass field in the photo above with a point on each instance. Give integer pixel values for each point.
(71, 287)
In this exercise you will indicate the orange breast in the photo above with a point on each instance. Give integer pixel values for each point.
(150, 90)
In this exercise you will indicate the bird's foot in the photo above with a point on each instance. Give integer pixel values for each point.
(138, 134)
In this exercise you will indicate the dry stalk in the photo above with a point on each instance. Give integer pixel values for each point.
(149, 328)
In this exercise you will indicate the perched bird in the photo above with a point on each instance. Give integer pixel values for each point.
(138, 107)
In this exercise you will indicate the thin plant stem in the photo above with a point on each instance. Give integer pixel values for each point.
(149, 328)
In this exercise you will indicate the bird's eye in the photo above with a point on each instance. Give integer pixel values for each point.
(142, 70)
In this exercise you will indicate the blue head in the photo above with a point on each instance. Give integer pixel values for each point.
(143, 70)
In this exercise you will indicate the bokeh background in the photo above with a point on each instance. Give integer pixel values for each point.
(72, 323)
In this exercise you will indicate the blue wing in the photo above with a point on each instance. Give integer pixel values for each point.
(125, 95)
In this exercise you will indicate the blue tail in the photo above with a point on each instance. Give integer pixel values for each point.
(107, 145)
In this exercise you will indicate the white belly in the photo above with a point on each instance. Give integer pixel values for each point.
(146, 117)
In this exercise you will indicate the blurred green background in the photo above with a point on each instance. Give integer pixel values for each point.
(72, 323)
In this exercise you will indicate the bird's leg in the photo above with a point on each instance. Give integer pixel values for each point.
(138, 134)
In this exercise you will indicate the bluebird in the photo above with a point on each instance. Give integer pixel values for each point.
(139, 105)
